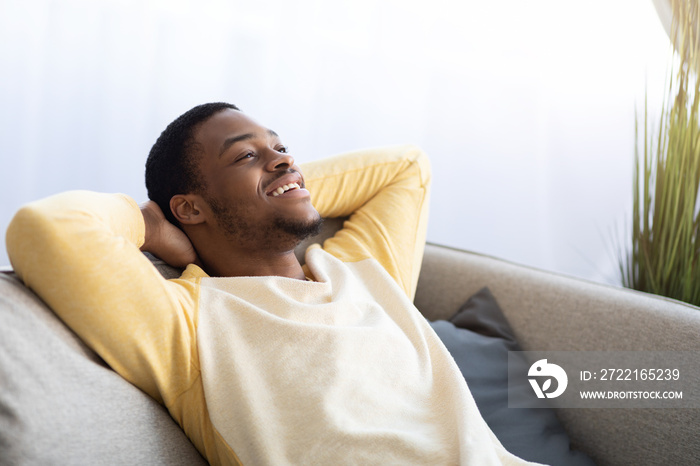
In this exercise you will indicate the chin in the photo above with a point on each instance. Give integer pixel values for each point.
(300, 229)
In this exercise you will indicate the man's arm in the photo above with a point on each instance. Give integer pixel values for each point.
(79, 252)
(385, 193)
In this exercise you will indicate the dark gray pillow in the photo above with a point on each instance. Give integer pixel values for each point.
(479, 337)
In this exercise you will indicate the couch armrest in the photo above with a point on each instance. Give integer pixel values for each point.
(554, 312)
(551, 312)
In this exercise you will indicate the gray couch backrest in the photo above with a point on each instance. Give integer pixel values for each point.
(60, 403)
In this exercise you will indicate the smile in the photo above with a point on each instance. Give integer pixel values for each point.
(289, 183)
(283, 189)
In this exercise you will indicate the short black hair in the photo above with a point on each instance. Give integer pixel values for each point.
(171, 167)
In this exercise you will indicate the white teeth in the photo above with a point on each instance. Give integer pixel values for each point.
(285, 188)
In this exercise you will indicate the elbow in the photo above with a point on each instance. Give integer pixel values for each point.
(415, 155)
(31, 237)
(23, 235)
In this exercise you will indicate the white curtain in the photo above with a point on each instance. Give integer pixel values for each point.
(526, 108)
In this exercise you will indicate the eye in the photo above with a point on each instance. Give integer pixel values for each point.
(282, 149)
(247, 155)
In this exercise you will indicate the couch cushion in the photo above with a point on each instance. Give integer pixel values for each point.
(479, 337)
(60, 404)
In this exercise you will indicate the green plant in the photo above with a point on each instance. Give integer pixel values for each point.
(665, 253)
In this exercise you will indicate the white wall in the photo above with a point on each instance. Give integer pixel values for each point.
(527, 108)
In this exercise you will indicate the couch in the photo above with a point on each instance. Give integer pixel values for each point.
(61, 404)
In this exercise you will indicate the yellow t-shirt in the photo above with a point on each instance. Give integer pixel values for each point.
(272, 370)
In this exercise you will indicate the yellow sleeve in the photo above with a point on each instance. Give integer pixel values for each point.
(385, 194)
(79, 251)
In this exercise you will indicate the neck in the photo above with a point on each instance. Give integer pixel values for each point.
(254, 265)
(224, 258)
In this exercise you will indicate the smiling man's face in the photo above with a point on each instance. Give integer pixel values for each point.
(255, 191)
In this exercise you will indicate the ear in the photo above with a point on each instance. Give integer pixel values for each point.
(186, 209)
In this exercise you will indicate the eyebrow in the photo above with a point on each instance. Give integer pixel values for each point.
(243, 137)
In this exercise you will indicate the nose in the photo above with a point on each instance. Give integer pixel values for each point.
(279, 161)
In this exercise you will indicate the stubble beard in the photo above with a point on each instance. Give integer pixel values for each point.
(278, 233)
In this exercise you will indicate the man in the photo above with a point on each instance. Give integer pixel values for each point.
(262, 360)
